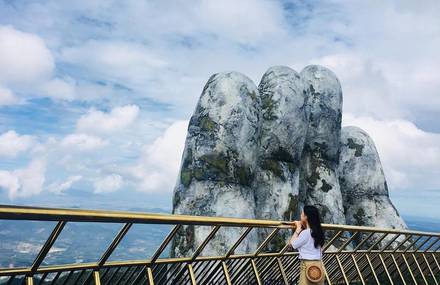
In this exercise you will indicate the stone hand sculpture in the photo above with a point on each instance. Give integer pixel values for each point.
(363, 184)
(264, 152)
(218, 163)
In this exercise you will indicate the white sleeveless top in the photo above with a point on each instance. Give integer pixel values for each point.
(305, 244)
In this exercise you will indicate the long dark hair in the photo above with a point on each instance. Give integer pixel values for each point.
(314, 220)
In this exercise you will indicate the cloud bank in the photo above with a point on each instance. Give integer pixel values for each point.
(103, 90)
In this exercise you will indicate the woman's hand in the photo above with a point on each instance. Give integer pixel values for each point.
(298, 226)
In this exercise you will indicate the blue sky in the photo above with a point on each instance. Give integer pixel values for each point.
(95, 96)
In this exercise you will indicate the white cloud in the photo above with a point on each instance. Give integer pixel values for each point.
(24, 182)
(11, 143)
(24, 57)
(243, 23)
(410, 156)
(123, 61)
(100, 122)
(7, 97)
(385, 54)
(60, 187)
(159, 165)
(60, 89)
(82, 142)
(109, 183)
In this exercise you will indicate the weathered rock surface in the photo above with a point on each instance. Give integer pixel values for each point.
(363, 185)
(319, 184)
(263, 153)
(218, 163)
(283, 130)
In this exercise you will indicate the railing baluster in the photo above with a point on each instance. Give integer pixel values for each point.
(357, 268)
(430, 269)
(78, 276)
(128, 269)
(226, 273)
(398, 269)
(283, 272)
(363, 241)
(138, 276)
(114, 243)
(377, 242)
(408, 237)
(342, 269)
(386, 269)
(40, 282)
(372, 268)
(332, 240)
(412, 244)
(431, 245)
(257, 275)
(422, 244)
(88, 279)
(327, 277)
(204, 243)
(96, 278)
(29, 280)
(238, 242)
(390, 242)
(150, 276)
(265, 265)
(266, 241)
(102, 276)
(342, 247)
(113, 274)
(68, 277)
(420, 269)
(47, 246)
(165, 243)
(437, 248)
(55, 279)
(435, 260)
(191, 274)
(409, 268)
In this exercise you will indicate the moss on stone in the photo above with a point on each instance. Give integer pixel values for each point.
(274, 167)
(292, 166)
(207, 124)
(325, 212)
(282, 155)
(325, 186)
(186, 172)
(357, 147)
(313, 178)
(243, 175)
(291, 208)
(198, 173)
(359, 217)
(219, 162)
(268, 106)
(253, 95)
(185, 177)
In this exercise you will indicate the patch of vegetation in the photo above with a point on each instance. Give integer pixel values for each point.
(357, 147)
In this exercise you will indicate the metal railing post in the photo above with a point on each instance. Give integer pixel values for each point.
(29, 280)
(96, 277)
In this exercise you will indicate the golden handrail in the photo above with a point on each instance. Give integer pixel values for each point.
(352, 253)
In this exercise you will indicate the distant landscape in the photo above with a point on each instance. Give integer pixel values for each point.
(85, 242)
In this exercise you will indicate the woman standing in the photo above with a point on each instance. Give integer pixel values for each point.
(308, 239)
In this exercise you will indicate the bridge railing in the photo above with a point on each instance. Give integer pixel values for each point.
(352, 255)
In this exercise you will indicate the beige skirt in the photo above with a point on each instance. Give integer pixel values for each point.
(302, 276)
